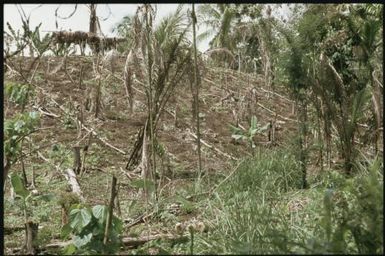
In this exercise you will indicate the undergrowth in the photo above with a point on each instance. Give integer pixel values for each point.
(262, 210)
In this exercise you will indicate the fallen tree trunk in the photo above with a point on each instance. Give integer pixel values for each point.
(70, 175)
(130, 242)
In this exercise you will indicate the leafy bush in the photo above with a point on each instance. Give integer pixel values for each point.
(88, 227)
(15, 130)
(353, 215)
(18, 93)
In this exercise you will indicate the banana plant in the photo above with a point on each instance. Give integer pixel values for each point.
(255, 127)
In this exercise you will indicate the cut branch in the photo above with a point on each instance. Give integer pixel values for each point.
(129, 241)
(213, 148)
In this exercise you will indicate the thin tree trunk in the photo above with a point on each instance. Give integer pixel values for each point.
(302, 141)
(151, 107)
(77, 166)
(23, 167)
(64, 216)
(93, 22)
(31, 231)
(7, 166)
(85, 152)
(97, 97)
(194, 19)
(110, 210)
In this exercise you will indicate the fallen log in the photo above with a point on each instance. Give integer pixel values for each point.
(272, 112)
(70, 175)
(131, 242)
(212, 147)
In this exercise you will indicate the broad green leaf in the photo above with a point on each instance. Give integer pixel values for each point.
(117, 224)
(18, 186)
(100, 212)
(79, 218)
(69, 250)
(65, 231)
(81, 241)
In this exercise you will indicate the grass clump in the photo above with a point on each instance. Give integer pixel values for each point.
(262, 210)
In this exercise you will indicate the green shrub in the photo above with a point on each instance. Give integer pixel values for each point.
(253, 212)
(353, 215)
(88, 226)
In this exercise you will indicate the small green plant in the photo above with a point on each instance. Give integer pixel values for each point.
(255, 127)
(15, 130)
(27, 202)
(18, 93)
(21, 192)
(88, 227)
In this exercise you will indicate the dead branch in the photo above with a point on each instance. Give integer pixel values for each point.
(142, 218)
(272, 92)
(43, 91)
(49, 114)
(129, 241)
(212, 147)
(274, 113)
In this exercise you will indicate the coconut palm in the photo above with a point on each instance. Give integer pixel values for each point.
(219, 19)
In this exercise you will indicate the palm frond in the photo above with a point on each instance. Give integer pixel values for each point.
(359, 102)
(205, 35)
(227, 18)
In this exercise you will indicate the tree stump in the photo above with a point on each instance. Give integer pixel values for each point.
(77, 167)
(31, 231)
(64, 216)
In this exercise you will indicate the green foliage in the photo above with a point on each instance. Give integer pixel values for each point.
(255, 127)
(187, 207)
(66, 199)
(143, 183)
(352, 220)
(88, 226)
(250, 222)
(29, 37)
(18, 93)
(28, 200)
(253, 212)
(40, 44)
(19, 187)
(15, 130)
